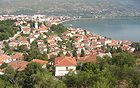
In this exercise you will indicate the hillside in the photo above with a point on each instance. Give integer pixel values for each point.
(71, 7)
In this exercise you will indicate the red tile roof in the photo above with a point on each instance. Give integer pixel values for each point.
(65, 61)
(23, 39)
(1, 63)
(40, 61)
(88, 58)
(27, 29)
(18, 65)
(3, 56)
(43, 27)
(18, 56)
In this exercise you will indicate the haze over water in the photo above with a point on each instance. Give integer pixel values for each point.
(120, 28)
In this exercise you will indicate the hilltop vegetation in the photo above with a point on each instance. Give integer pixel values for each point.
(7, 29)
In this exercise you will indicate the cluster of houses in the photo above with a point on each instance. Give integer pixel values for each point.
(40, 18)
(52, 45)
(16, 61)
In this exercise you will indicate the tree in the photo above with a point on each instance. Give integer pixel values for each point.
(6, 46)
(119, 50)
(103, 62)
(135, 79)
(58, 29)
(7, 29)
(5, 84)
(85, 32)
(33, 68)
(33, 53)
(37, 77)
(22, 48)
(82, 53)
(123, 59)
(4, 65)
(71, 80)
(29, 82)
(10, 74)
(74, 53)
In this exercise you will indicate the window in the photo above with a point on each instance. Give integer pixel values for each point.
(67, 69)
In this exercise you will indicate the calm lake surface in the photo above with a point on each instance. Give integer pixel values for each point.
(118, 28)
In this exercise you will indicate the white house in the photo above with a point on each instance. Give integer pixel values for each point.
(64, 65)
(32, 38)
(108, 42)
(25, 29)
(104, 54)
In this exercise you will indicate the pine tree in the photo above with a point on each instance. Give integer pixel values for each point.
(82, 53)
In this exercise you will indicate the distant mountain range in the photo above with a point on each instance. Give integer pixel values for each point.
(72, 7)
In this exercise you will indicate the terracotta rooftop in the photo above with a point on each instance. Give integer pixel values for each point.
(18, 56)
(88, 58)
(26, 29)
(65, 61)
(23, 39)
(18, 65)
(3, 56)
(43, 27)
(40, 61)
(1, 63)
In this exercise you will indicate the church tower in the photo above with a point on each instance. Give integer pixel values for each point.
(36, 25)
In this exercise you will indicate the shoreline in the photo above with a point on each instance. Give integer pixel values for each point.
(117, 18)
(127, 17)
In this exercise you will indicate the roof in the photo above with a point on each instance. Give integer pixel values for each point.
(40, 61)
(3, 56)
(43, 27)
(65, 61)
(1, 63)
(88, 58)
(17, 56)
(13, 43)
(23, 39)
(26, 29)
(18, 65)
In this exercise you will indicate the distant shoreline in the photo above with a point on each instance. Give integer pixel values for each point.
(118, 17)
(110, 35)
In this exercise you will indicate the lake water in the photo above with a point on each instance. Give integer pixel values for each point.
(119, 28)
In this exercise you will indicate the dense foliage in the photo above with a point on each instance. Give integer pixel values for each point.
(32, 77)
(58, 29)
(119, 71)
(7, 29)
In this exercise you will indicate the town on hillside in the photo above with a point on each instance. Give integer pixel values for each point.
(44, 40)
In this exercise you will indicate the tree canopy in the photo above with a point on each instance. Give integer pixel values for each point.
(119, 71)
(7, 29)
